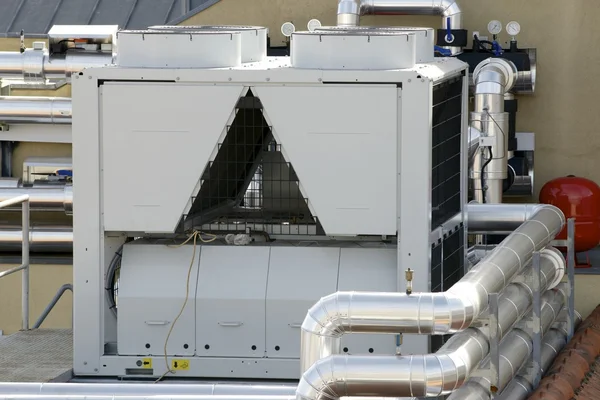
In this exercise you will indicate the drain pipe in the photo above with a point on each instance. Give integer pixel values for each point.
(493, 78)
(350, 11)
(35, 110)
(403, 376)
(426, 313)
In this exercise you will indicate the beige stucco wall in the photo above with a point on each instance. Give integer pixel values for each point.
(44, 282)
(562, 112)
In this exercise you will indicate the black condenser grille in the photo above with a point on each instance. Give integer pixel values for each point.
(446, 151)
(249, 185)
(447, 267)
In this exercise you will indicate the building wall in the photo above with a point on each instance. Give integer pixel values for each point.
(562, 112)
(44, 282)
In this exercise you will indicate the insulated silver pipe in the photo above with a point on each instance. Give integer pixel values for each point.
(39, 65)
(146, 389)
(43, 198)
(493, 78)
(427, 313)
(522, 386)
(499, 218)
(408, 376)
(35, 110)
(350, 11)
(515, 350)
(145, 397)
(41, 240)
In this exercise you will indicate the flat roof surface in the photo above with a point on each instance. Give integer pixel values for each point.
(39, 355)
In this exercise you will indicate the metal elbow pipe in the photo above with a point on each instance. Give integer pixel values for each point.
(350, 11)
(499, 218)
(35, 110)
(422, 313)
(430, 375)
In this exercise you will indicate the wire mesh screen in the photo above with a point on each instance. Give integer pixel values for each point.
(446, 151)
(249, 185)
(447, 267)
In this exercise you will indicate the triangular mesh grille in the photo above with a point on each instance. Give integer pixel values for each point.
(249, 185)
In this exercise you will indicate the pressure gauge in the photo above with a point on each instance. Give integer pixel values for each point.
(513, 28)
(495, 27)
(287, 29)
(313, 24)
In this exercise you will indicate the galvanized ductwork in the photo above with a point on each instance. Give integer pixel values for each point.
(426, 313)
(350, 11)
(35, 110)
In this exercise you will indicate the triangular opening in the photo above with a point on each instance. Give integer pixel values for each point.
(249, 186)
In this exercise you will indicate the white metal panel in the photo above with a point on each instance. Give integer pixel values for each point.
(338, 50)
(230, 302)
(414, 249)
(88, 240)
(341, 141)
(152, 291)
(176, 49)
(368, 270)
(298, 278)
(157, 139)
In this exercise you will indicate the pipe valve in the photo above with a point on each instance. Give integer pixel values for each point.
(409, 278)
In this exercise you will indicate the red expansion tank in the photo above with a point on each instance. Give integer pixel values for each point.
(578, 198)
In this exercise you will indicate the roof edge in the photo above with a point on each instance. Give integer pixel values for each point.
(191, 13)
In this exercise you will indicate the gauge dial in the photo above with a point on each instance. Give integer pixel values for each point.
(495, 27)
(287, 29)
(513, 28)
(313, 24)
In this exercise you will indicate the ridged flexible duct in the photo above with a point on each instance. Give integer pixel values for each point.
(426, 313)
(430, 375)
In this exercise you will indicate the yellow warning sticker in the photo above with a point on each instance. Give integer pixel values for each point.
(180, 364)
(146, 363)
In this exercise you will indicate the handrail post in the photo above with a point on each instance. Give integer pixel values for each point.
(25, 262)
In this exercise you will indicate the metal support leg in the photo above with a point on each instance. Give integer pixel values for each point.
(537, 323)
(571, 277)
(25, 263)
(494, 344)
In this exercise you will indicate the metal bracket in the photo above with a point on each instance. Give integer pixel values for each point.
(570, 245)
(4, 128)
(490, 319)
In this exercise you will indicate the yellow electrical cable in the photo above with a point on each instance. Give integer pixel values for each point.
(195, 235)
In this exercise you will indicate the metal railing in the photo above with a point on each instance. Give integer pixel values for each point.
(62, 290)
(24, 200)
